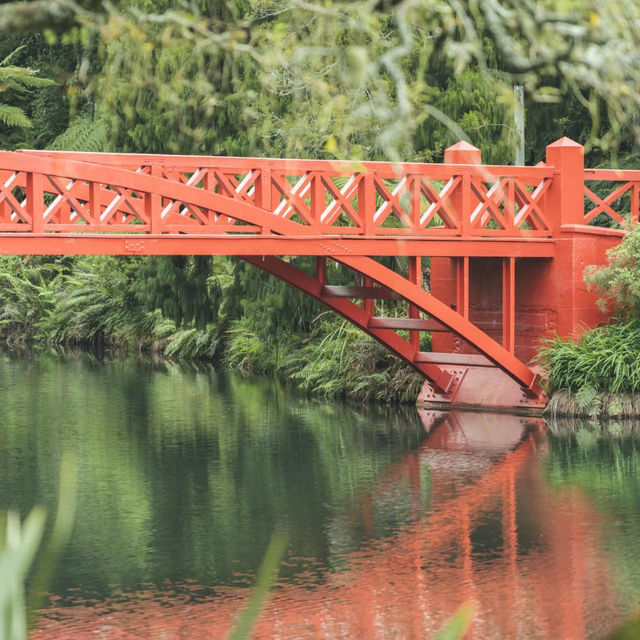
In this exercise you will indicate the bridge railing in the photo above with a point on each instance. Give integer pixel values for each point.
(461, 198)
(332, 198)
(611, 197)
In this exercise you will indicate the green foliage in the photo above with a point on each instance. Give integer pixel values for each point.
(195, 343)
(588, 399)
(619, 280)
(20, 542)
(173, 89)
(602, 359)
(21, 80)
(19, 546)
(46, 107)
(83, 134)
(335, 360)
(260, 593)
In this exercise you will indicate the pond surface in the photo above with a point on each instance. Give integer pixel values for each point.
(393, 519)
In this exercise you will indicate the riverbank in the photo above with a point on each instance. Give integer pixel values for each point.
(214, 311)
(595, 373)
(224, 312)
(334, 361)
(590, 404)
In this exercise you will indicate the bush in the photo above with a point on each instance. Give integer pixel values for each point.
(619, 281)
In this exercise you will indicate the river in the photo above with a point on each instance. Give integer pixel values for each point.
(393, 519)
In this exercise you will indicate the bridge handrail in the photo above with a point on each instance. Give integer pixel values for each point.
(338, 167)
(467, 200)
(621, 186)
(332, 197)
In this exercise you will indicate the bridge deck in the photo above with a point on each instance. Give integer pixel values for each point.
(57, 243)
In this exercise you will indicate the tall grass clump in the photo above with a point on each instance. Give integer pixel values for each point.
(605, 359)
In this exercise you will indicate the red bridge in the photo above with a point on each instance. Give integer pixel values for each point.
(507, 245)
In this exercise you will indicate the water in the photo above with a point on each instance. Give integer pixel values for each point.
(394, 519)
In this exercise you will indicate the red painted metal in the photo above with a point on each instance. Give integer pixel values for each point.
(463, 215)
(462, 286)
(374, 293)
(415, 276)
(358, 316)
(412, 324)
(166, 194)
(509, 303)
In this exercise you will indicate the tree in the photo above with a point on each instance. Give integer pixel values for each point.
(357, 78)
(618, 282)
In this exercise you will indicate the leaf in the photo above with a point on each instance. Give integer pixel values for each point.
(14, 116)
(459, 623)
(13, 53)
(83, 134)
(260, 592)
(24, 76)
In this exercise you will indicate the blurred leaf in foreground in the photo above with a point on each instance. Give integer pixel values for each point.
(260, 592)
(459, 623)
(17, 551)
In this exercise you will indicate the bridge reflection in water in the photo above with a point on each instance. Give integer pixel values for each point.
(484, 528)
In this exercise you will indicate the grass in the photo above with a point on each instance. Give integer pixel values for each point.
(601, 360)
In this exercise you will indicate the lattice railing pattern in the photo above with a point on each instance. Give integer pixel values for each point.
(611, 197)
(332, 198)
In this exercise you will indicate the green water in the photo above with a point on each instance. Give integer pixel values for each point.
(393, 518)
(183, 474)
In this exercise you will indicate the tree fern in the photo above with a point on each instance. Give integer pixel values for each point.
(20, 79)
(13, 116)
(83, 134)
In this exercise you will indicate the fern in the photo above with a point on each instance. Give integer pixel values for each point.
(83, 134)
(588, 400)
(14, 116)
(20, 79)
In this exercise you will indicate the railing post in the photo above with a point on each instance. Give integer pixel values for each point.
(463, 153)
(35, 202)
(264, 191)
(462, 287)
(367, 202)
(317, 203)
(509, 304)
(565, 197)
(415, 276)
(153, 204)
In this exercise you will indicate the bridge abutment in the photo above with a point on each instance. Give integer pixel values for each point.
(550, 295)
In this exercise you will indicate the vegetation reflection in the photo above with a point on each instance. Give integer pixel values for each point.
(184, 473)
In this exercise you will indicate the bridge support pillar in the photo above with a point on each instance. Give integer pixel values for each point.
(520, 301)
(489, 282)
